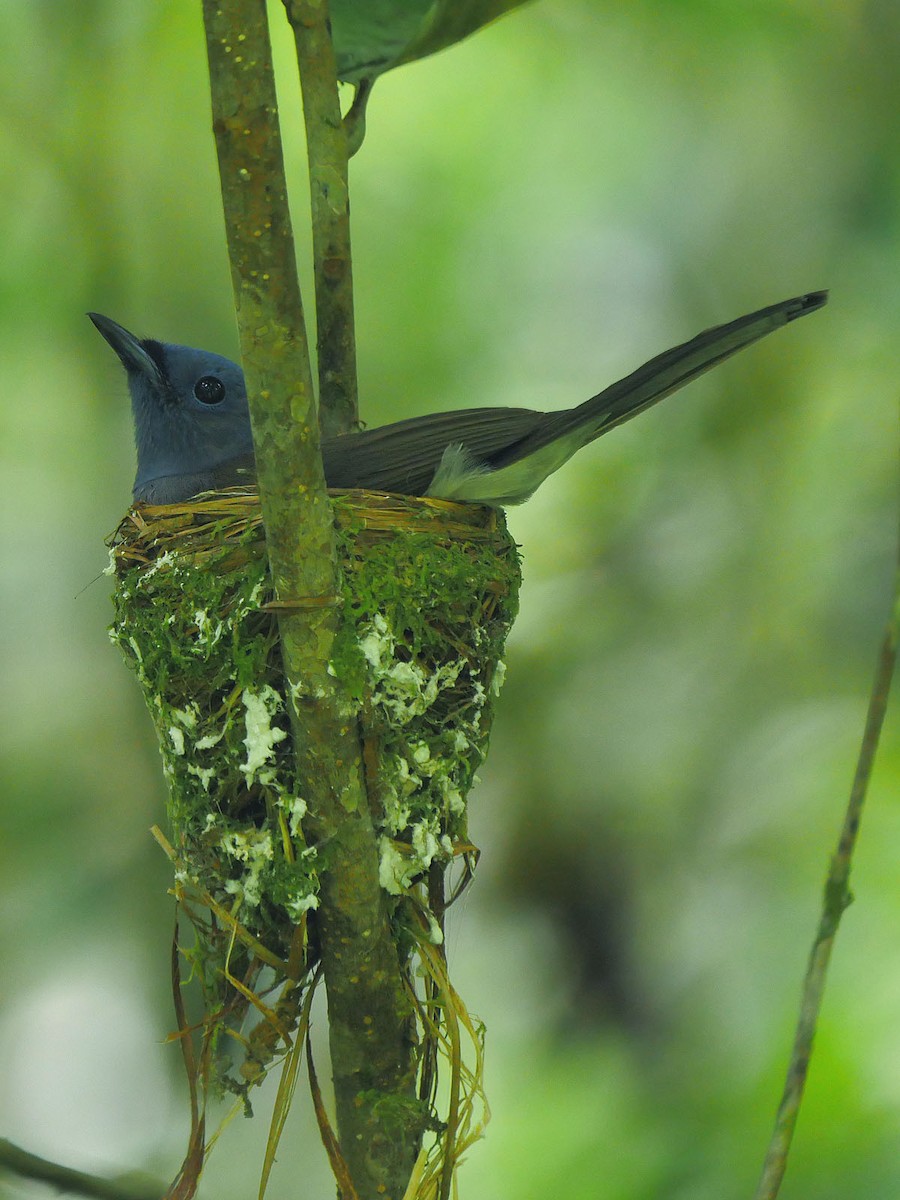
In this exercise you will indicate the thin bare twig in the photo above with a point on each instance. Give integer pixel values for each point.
(837, 897)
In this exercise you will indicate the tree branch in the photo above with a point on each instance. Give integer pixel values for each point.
(327, 149)
(373, 1058)
(269, 309)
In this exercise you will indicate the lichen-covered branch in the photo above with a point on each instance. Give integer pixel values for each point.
(327, 148)
(372, 1055)
(274, 348)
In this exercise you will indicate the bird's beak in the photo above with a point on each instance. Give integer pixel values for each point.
(131, 352)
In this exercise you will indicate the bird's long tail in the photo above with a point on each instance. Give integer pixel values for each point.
(662, 375)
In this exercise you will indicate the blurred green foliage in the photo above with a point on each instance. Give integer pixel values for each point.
(536, 211)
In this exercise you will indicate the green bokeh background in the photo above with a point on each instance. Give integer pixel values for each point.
(536, 212)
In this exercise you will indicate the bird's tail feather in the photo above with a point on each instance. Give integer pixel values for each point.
(667, 372)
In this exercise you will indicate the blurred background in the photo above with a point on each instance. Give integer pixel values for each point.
(536, 212)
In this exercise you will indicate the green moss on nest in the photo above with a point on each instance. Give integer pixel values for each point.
(429, 592)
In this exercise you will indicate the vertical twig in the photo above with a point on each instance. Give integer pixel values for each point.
(267, 299)
(836, 899)
(327, 149)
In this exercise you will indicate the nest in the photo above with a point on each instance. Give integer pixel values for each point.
(428, 595)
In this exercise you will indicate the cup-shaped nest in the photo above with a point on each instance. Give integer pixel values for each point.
(428, 592)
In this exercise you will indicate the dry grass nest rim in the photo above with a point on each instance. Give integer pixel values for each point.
(237, 512)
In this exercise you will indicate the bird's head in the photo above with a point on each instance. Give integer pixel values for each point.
(189, 406)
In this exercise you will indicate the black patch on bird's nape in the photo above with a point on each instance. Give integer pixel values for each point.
(156, 352)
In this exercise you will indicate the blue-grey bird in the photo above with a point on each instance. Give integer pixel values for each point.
(192, 423)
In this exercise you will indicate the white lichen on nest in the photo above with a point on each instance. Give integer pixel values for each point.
(423, 781)
(403, 689)
(252, 848)
(262, 737)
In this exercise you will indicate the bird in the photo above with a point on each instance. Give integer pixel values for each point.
(192, 422)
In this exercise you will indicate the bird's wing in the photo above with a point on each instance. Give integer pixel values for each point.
(404, 456)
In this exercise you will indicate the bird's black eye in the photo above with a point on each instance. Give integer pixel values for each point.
(209, 390)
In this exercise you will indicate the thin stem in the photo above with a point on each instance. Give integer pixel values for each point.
(355, 119)
(328, 153)
(837, 897)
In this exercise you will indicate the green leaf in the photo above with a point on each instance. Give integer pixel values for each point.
(371, 36)
(450, 21)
